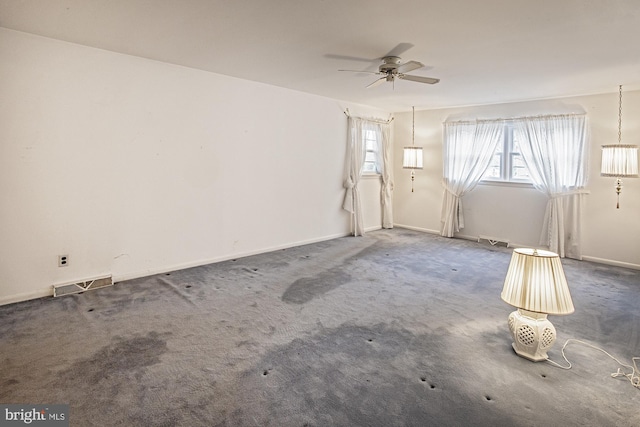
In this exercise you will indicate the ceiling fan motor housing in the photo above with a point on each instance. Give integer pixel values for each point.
(389, 64)
(392, 68)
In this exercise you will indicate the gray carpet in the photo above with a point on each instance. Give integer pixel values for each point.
(396, 328)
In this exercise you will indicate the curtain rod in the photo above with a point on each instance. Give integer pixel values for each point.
(348, 114)
(544, 116)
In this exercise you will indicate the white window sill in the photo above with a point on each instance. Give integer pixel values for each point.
(371, 176)
(506, 183)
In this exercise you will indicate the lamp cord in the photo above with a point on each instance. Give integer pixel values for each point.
(632, 376)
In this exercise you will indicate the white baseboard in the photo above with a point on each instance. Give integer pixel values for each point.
(44, 292)
(520, 245)
(611, 262)
(183, 266)
(48, 292)
(410, 227)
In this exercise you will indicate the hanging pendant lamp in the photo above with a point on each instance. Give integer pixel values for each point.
(412, 157)
(619, 160)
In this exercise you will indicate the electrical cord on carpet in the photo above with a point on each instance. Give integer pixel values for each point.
(632, 376)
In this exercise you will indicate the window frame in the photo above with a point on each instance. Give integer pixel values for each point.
(507, 162)
(377, 171)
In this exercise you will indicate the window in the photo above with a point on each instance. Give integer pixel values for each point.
(372, 156)
(507, 163)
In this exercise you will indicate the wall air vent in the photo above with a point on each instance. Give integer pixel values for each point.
(494, 240)
(82, 286)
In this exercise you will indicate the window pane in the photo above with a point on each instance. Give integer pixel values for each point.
(493, 171)
(518, 168)
(369, 167)
(370, 145)
(370, 157)
(507, 163)
(369, 134)
(515, 144)
(500, 148)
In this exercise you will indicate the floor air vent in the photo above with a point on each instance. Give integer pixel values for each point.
(82, 286)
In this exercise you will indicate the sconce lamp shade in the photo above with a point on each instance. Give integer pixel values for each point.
(619, 161)
(412, 158)
(535, 282)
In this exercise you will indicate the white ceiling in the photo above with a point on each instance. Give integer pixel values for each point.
(484, 51)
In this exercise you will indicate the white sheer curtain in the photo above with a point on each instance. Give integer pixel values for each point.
(554, 148)
(386, 192)
(468, 149)
(356, 152)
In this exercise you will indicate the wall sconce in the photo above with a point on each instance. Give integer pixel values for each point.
(412, 157)
(536, 285)
(618, 160)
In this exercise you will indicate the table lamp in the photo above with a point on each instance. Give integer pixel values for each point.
(536, 285)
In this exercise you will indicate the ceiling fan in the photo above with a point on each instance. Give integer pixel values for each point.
(391, 68)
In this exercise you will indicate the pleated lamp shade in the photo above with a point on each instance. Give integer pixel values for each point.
(619, 160)
(412, 158)
(535, 282)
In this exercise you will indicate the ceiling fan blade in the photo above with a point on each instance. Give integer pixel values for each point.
(409, 66)
(350, 58)
(429, 80)
(399, 49)
(377, 82)
(360, 71)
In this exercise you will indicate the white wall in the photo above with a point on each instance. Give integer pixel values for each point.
(610, 235)
(133, 167)
(370, 187)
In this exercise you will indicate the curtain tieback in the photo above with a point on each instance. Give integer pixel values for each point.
(446, 187)
(349, 185)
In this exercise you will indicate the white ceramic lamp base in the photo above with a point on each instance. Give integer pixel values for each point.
(533, 334)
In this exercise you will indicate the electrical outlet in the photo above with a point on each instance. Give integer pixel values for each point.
(63, 260)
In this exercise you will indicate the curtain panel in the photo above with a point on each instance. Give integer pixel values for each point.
(355, 158)
(386, 160)
(353, 172)
(468, 149)
(555, 152)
